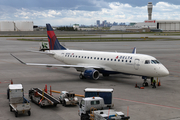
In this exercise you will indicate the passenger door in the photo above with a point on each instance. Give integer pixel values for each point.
(136, 64)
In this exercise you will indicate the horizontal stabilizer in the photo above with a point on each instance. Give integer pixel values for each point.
(46, 52)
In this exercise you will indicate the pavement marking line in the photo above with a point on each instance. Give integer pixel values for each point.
(147, 103)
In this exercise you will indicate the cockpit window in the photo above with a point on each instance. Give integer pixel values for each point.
(147, 62)
(155, 62)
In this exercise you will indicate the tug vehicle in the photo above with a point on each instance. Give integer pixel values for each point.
(68, 98)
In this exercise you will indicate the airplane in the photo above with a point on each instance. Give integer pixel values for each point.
(91, 64)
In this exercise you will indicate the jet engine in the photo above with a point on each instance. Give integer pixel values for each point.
(91, 74)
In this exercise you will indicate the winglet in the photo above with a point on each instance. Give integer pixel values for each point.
(134, 50)
(18, 59)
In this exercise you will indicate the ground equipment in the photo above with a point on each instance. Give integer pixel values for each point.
(104, 93)
(68, 98)
(17, 102)
(94, 108)
(42, 98)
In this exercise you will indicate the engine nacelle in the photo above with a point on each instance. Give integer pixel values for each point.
(91, 74)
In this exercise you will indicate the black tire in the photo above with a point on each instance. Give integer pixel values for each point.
(146, 84)
(60, 101)
(7, 93)
(16, 114)
(64, 103)
(29, 113)
(32, 99)
(81, 76)
(55, 105)
(10, 108)
(82, 117)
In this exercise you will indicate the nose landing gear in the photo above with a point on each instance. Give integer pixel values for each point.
(145, 83)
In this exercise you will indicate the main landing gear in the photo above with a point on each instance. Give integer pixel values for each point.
(81, 76)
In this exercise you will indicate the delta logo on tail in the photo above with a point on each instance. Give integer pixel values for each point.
(52, 39)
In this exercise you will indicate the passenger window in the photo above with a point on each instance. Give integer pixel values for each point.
(97, 58)
(82, 56)
(108, 59)
(91, 57)
(85, 57)
(101, 58)
(122, 60)
(118, 60)
(111, 59)
(94, 57)
(104, 58)
(147, 61)
(79, 56)
(76, 56)
(130, 61)
(114, 59)
(126, 60)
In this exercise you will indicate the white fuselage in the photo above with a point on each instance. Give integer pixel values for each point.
(126, 63)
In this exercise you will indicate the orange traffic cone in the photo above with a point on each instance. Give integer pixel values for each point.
(136, 85)
(159, 83)
(11, 81)
(45, 89)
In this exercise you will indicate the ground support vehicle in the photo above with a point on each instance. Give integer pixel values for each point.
(42, 98)
(94, 108)
(17, 102)
(108, 115)
(104, 93)
(68, 98)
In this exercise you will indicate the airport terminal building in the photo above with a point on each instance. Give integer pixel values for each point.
(16, 25)
(164, 25)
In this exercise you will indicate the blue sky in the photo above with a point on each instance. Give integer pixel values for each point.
(66, 12)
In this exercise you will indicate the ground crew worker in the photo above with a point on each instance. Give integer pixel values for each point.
(154, 83)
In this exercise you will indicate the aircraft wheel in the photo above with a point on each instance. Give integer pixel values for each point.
(145, 84)
(81, 76)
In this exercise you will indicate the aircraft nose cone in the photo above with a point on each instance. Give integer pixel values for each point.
(164, 72)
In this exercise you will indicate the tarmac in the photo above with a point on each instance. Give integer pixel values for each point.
(162, 103)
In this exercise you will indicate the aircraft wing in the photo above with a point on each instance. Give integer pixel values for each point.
(79, 67)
